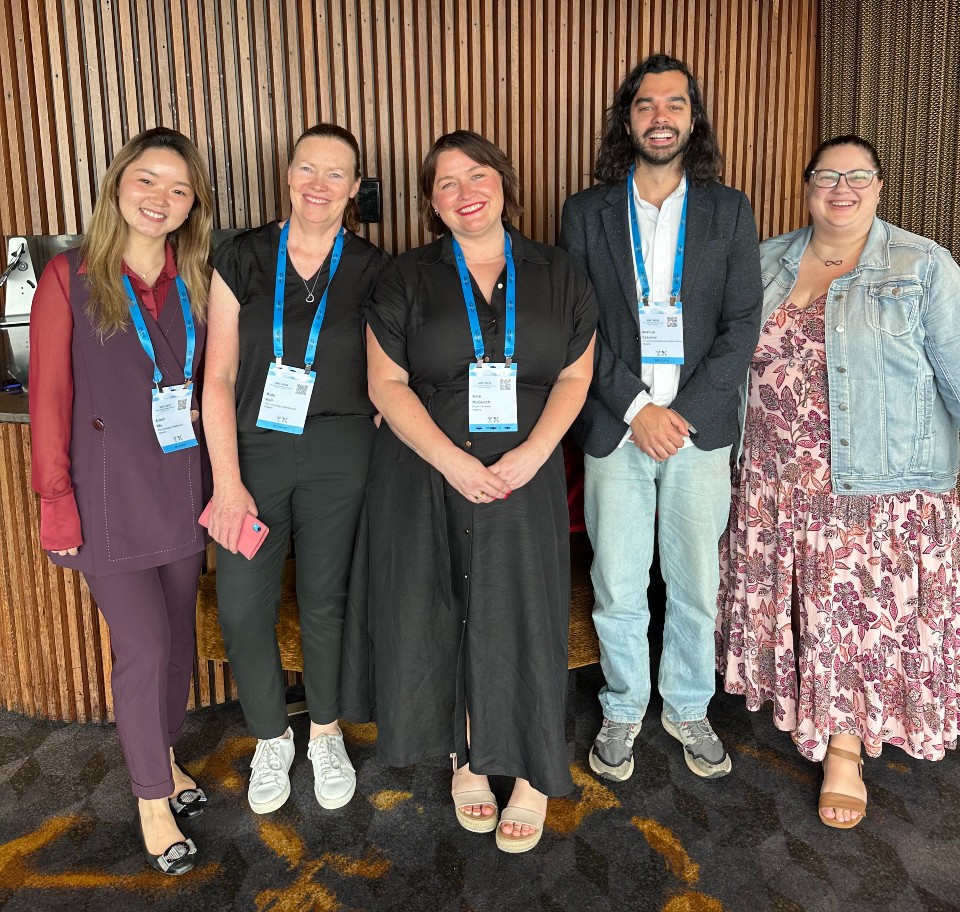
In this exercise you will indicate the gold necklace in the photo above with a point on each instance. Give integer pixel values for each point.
(143, 275)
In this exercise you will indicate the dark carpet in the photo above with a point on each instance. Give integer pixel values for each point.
(664, 840)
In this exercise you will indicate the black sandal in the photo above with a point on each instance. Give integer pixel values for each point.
(190, 802)
(177, 859)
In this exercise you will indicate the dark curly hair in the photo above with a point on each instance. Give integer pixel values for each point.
(702, 158)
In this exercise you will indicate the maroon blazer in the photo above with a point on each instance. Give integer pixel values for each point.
(138, 505)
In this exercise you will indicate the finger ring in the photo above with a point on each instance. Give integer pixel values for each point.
(479, 495)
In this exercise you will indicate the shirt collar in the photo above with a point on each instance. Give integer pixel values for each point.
(678, 193)
(168, 271)
(523, 249)
(876, 252)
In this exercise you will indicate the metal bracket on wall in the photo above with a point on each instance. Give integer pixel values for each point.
(20, 281)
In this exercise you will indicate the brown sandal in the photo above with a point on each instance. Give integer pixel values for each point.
(842, 802)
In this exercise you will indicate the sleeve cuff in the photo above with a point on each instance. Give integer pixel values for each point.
(60, 523)
(634, 408)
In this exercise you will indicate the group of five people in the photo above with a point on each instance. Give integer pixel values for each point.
(400, 420)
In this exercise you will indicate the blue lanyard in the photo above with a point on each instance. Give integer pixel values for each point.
(638, 248)
(470, 301)
(144, 336)
(279, 292)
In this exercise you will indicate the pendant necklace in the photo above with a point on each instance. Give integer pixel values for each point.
(316, 278)
(143, 275)
(822, 260)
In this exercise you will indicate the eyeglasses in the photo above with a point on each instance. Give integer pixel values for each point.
(858, 179)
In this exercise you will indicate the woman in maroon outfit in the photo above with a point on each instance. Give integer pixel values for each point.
(116, 336)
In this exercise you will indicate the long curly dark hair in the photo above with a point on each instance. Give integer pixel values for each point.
(702, 158)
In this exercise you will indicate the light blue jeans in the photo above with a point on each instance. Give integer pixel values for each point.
(689, 494)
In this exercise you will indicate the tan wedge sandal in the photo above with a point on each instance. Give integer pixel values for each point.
(840, 801)
(470, 798)
(519, 816)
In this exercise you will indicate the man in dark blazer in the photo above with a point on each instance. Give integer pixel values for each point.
(674, 259)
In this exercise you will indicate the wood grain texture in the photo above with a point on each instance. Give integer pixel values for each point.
(54, 645)
(243, 78)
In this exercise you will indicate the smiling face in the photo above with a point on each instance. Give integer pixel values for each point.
(467, 195)
(842, 207)
(661, 118)
(154, 193)
(322, 180)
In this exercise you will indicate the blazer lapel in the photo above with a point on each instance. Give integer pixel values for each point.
(169, 335)
(699, 220)
(615, 218)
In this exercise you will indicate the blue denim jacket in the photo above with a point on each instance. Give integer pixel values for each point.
(892, 329)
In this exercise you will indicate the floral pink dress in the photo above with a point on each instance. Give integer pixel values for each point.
(877, 576)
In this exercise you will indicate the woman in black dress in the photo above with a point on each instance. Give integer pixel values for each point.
(458, 620)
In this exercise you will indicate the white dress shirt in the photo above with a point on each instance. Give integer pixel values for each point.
(659, 229)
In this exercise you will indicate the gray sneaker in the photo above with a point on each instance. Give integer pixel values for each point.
(334, 779)
(702, 749)
(611, 756)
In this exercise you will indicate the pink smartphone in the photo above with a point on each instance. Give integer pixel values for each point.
(252, 532)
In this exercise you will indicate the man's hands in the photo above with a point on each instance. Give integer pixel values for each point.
(659, 432)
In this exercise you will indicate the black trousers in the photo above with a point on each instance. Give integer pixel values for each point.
(311, 486)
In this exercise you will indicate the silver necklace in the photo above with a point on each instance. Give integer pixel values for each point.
(316, 278)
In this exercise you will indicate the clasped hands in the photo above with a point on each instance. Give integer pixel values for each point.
(659, 432)
(484, 484)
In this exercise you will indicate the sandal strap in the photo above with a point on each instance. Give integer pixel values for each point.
(523, 816)
(845, 755)
(842, 802)
(474, 797)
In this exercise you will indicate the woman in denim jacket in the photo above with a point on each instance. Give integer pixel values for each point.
(840, 577)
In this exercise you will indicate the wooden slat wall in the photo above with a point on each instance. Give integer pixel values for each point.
(245, 77)
(54, 645)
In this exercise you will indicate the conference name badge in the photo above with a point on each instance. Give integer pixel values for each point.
(171, 418)
(286, 398)
(493, 397)
(661, 333)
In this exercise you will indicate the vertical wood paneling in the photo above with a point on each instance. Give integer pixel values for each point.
(54, 645)
(245, 77)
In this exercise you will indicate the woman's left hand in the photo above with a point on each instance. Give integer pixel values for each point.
(519, 465)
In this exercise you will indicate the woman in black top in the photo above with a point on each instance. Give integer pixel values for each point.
(458, 621)
(289, 428)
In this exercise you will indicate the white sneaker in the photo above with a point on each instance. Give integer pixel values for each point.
(270, 780)
(334, 778)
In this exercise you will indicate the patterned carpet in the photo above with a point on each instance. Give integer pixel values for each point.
(665, 840)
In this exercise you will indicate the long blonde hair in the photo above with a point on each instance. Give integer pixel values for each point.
(102, 246)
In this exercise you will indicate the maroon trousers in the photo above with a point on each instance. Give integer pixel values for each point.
(152, 619)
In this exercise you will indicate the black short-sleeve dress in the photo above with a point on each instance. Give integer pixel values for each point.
(456, 605)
